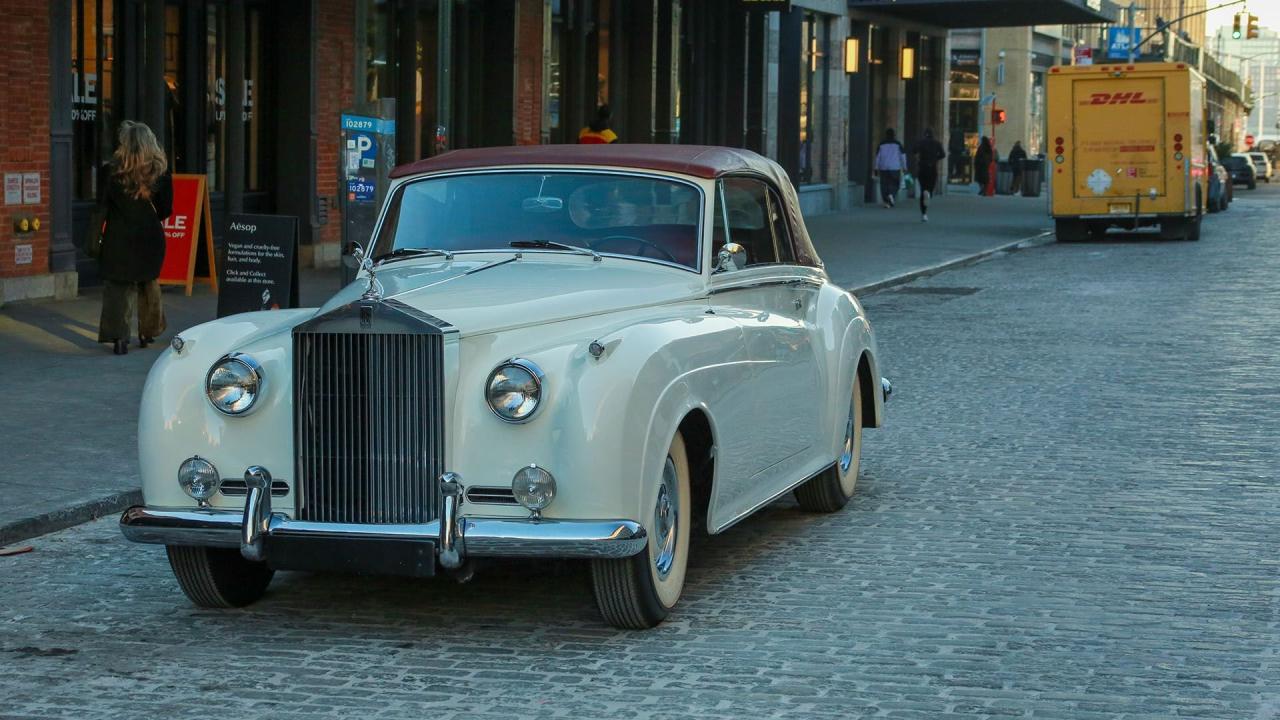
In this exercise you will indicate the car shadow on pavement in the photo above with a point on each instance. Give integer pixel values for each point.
(539, 594)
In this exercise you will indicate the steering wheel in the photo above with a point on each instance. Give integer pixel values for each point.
(640, 242)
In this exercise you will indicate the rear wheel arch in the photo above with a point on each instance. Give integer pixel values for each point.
(869, 389)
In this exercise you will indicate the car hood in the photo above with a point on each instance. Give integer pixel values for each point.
(486, 293)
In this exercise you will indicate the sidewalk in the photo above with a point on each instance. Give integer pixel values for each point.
(68, 436)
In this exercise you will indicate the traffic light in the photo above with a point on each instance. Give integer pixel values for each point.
(998, 116)
(1251, 30)
(1235, 27)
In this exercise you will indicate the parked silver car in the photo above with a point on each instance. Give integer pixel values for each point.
(1262, 164)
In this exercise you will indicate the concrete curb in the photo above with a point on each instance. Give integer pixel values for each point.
(92, 510)
(1034, 241)
(67, 517)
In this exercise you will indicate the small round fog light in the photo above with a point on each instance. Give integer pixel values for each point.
(533, 487)
(199, 478)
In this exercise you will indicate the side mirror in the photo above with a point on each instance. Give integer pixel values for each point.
(354, 257)
(732, 257)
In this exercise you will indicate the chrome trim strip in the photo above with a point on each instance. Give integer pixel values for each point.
(522, 537)
(747, 513)
(483, 536)
(815, 282)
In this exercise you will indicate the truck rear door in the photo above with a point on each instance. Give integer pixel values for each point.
(1118, 134)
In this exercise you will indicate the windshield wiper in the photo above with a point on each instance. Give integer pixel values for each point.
(553, 245)
(400, 253)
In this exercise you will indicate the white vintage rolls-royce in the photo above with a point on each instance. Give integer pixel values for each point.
(548, 351)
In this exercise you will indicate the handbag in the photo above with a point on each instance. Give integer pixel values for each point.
(92, 241)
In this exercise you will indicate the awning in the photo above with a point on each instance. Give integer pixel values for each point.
(956, 14)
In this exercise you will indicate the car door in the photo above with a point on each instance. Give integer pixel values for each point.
(773, 299)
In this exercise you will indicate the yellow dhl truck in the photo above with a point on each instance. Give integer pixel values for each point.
(1128, 149)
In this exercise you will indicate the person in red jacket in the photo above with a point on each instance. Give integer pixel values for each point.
(597, 132)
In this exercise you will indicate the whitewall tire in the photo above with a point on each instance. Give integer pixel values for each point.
(639, 592)
(830, 490)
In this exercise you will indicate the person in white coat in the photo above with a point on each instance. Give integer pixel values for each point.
(891, 161)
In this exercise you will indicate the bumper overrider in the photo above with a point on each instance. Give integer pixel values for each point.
(400, 549)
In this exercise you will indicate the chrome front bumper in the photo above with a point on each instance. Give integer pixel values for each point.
(455, 537)
(483, 536)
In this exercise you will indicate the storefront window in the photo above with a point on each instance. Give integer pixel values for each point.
(174, 117)
(963, 137)
(379, 65)
(602, 52)
(215, 94)
(92, 52)
(551, 108)
(216, 98)
(813, 98)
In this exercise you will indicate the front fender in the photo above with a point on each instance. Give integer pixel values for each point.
(604, 429)
(176, 421)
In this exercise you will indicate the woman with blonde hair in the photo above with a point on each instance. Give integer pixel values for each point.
(136, 190)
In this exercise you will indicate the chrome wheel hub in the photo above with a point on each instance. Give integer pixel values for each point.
(666, 520)
(846, 457)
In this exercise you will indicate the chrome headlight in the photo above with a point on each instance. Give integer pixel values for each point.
(514, 390)
(199, 478)
(234, 384)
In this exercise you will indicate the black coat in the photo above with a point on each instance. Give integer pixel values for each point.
(928, 154)
(1016, 158)
(982, 164)
(133, 244)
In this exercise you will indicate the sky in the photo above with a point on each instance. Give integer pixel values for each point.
(1268, 12)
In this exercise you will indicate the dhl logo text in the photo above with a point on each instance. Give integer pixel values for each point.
(1120, 98)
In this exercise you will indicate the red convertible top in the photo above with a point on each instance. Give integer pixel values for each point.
(698, 160)
(704, 161)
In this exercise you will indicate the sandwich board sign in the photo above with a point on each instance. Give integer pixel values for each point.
(260, 270)
(187, 260)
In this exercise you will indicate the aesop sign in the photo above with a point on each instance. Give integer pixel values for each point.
(261, 268)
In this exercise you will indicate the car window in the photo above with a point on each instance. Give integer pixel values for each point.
(611, 213)
(755, 221)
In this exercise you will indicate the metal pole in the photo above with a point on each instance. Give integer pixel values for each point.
(1133, 46)
(62, 252)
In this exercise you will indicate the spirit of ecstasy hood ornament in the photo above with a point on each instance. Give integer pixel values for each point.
(358, 259)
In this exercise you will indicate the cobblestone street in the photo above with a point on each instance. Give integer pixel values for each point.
(1072, 513)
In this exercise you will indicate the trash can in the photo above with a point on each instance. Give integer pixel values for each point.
(1004, 178)
(1032, 176)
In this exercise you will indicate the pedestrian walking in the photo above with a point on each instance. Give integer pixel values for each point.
(891, 161)
(1017, 161)
(982, 164)
(928, 153)
(597, 131)
(135, 190)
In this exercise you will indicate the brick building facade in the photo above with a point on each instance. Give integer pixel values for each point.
(24, 155)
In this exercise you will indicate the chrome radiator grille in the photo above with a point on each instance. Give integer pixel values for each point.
(368, 426)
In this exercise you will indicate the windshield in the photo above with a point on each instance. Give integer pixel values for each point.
(610, 213)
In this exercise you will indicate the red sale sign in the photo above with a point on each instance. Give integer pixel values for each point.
(183, 229)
